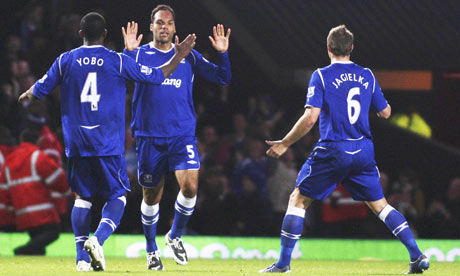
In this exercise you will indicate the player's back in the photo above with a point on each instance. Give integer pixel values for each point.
(347, 91)
(93, 101)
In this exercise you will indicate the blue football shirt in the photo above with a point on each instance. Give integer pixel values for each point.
(167, 110)
(93, 90)
(345, 92)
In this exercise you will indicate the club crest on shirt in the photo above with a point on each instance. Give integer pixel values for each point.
(311, 91)
(146, 70)
(147, 178)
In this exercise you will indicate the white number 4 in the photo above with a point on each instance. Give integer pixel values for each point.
(353, 106)
(89, 92)
(191, 153)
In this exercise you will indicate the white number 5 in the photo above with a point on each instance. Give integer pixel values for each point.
(89, 92)
(353, 106)
(191, 153)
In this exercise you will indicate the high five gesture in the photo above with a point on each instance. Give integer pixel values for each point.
(219, 40)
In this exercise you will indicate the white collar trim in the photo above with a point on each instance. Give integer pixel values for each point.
(91, 46)
(163, 51)
(343, 62)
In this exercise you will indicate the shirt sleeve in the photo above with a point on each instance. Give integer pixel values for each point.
(379, 102)
(220, 73)
(132, 54)
(51, 79)
(315, 91)
(132, 70)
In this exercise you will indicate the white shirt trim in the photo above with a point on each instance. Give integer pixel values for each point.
(342, 62)
(121, 61)
(163, 51)
(59, 63)
(322, 80)
(91, 46)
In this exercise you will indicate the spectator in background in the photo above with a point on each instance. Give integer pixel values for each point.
(7, 144)
(30, 177)
(32, 22)
(304, 147)
(252, 209)
(12, 48)
(36, 118)
(254, 167)
(279, 185)
(231, 146)
(443, 216)
(215, 204)
(39, 52)
(67, 33)
(408, 196)
(208, 143)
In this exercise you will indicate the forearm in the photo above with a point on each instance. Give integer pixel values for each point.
(169, 68)
(301, 127)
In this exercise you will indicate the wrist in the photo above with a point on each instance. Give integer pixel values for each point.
(285, 143)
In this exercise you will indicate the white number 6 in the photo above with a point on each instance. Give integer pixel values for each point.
(353, 106)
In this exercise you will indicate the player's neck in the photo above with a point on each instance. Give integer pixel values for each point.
(162, 46)
(335, 59)
(93, 43)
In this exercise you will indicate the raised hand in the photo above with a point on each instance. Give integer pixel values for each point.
(130, 36)
(220, 40)
(277, 148)
(185, 47)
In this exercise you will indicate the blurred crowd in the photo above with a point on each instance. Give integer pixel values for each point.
(241, 191)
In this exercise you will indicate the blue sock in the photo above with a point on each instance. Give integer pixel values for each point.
(398, 225)
(184, 209)
(111, 216)
(149, 217)
(81, 221)
(290, 233)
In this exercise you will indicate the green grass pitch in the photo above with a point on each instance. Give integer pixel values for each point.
(51, 266)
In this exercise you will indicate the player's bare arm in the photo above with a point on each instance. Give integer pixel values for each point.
(220, 40)
(182, 50)
(385, 113)
(301, 127)
(132, 41)
(28, 95)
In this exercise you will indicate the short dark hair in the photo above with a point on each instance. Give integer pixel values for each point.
(93, 26)
(340, 40)
(162, 7)
(30, 136)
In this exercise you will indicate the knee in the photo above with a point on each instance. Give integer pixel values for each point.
(190, 188)
(150, 196)
(296, 199)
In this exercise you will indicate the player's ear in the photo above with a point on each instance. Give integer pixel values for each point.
(81, 34)
(352, 47)
(151, 27)
(104, 35)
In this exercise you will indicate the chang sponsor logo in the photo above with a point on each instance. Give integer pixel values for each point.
(174, 82)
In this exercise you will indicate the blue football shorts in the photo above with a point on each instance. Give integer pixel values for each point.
(350, 163)
(98, 175)
(157, 156)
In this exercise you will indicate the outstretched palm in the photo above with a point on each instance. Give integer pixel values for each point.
(130, 36)
(219, 40)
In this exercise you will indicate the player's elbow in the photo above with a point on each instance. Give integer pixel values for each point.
(385, 113)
